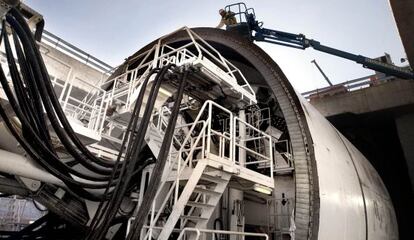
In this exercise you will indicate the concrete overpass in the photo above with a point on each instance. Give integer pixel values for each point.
(403, 13)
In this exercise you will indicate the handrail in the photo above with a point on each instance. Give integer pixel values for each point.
(210, 231)
(195, 39)
(265, 135)
(349, 85)
(180, 170)
(173, 186)
(180, 164)
(125, 85)
(163, 122)
(56, 42)
(189, 156)
(287, 154)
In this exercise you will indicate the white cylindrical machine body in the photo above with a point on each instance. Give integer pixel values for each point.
(353, 201)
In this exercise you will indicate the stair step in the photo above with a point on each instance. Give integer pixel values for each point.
(199, 205)
(216, 179)
(284, 170)
(206, 191)
(193, 218)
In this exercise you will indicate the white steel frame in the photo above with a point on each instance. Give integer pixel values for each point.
(202, 141)
(126, 87)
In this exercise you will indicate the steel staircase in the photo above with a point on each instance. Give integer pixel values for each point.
(198, 199)
(197, 173)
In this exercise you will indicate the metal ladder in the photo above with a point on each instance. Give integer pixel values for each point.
(198, 199)
(194, 188)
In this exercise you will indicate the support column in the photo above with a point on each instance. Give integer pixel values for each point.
(236, 212)
(405, 128)
(236, 203)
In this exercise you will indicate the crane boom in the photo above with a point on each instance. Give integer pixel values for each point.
(247, 22)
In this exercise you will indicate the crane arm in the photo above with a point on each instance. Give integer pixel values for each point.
(247, 18)
(301, 42)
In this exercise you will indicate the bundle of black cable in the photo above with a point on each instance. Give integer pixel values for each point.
(33, 95)
(108, 210)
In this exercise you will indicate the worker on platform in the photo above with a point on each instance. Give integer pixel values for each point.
(227, 18)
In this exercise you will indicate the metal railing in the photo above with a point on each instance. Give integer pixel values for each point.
(121, 91)
(241, 141)
(91, 114)
(58, 43)
(199, 232)
(200, 139)
(161, 54)
(174, 189)
(286, 154)
(350, 85)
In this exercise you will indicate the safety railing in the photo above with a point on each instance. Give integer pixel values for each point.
(122, 91)
(242, 141)
(240, 11)
(196, 233)
(198, 50)
(350, 85)
(125, 87)
(60, 44)
(200, 138)
(174, 189)
(180, 164)
(180, 56)
(284, 149)
(90, 114)
(160, 122)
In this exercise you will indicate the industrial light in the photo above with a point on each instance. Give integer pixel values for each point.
(262, 189)
(165, 92)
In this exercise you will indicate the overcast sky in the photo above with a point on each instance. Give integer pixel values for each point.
(113, 30)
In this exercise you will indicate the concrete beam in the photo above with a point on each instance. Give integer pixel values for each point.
(392, 94)
(403, 13)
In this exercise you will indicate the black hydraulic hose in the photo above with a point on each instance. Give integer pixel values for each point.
(217, 220)
(130, 130)
(159, 166)
(131, 158)
(14, 73)
(39, 30)
(127, 138)
(47, 93)
(32, 90)
(25, 123)
(52, 95)
(74, 186)
(49, 156)
(50, 109)
(21, 92)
